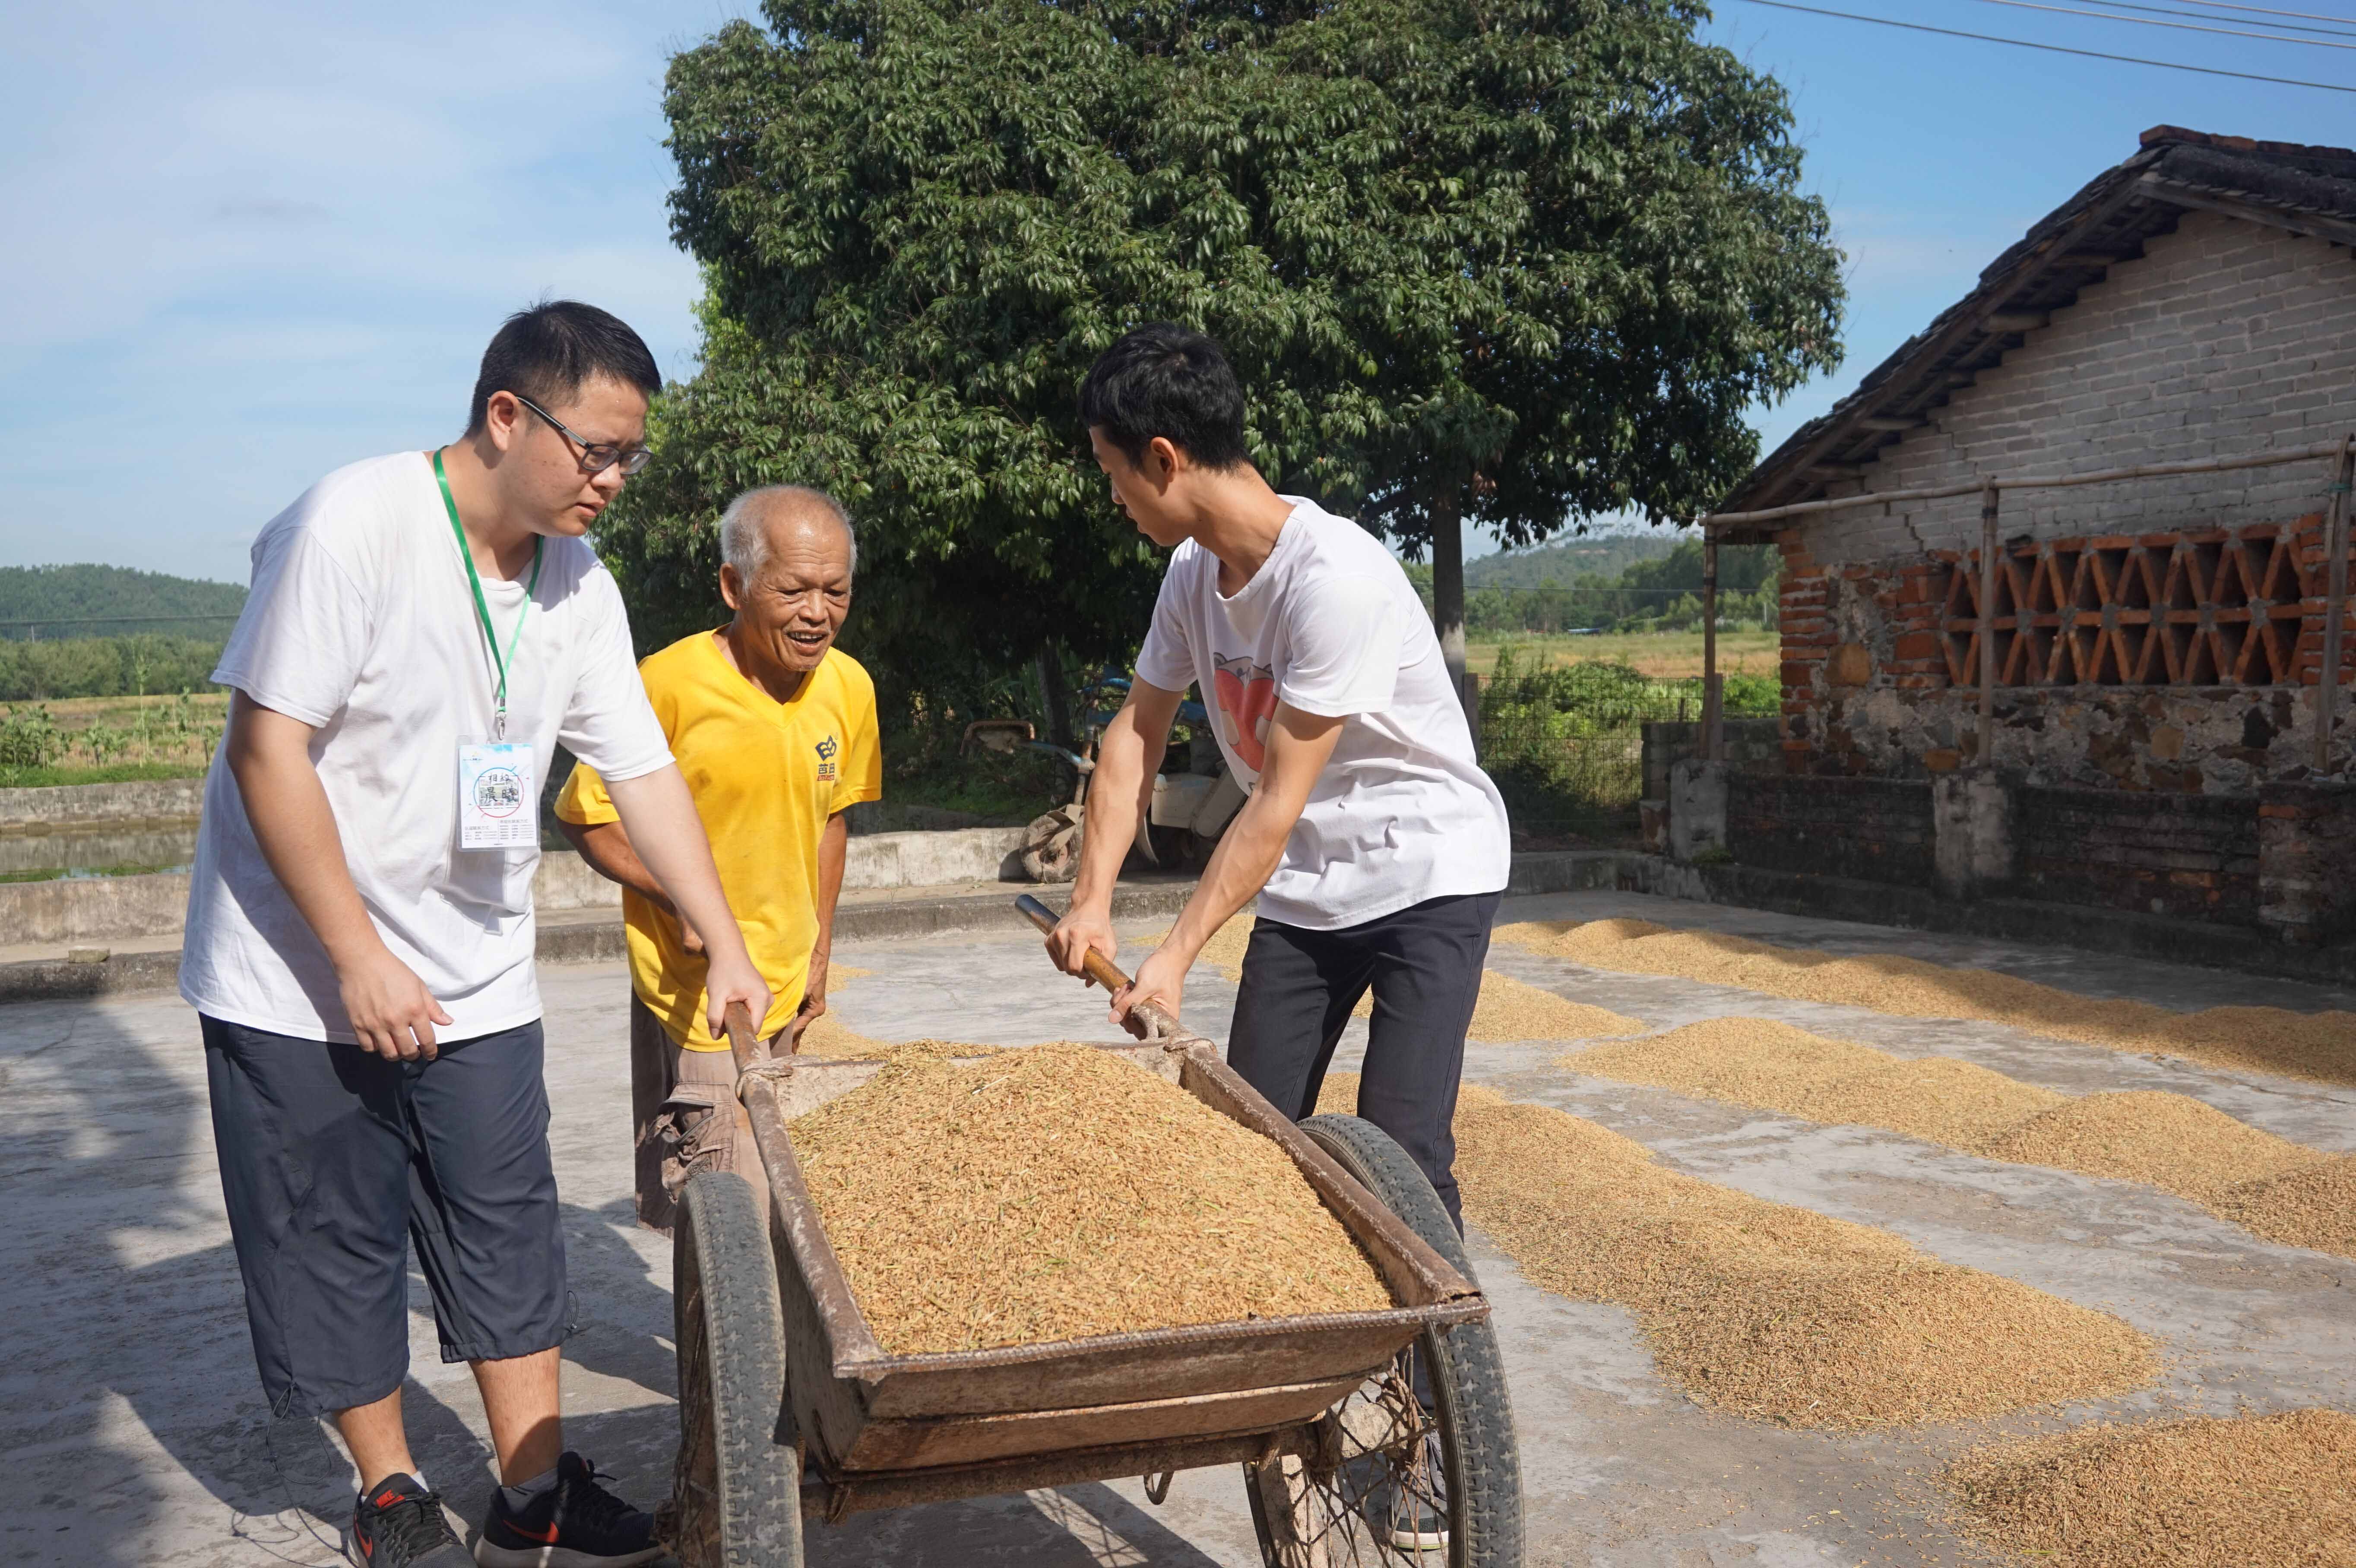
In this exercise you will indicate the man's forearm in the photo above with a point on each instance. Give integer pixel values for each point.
(605, 846)
(1117, 800)
(833, 851)
(294, 827)
(1246, 858)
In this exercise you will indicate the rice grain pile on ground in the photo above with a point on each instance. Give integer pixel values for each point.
(2312, 1206)
(1763, 1310)
(2263, 1491)
(1752, 1062)
(2163, 1140)
(1937, 1098)
(2282, 1190)
(2318, 1046)
(1508, 1011)
(1057, 1191)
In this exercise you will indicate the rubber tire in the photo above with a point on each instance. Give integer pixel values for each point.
(731, 1382)
(1468, 1375)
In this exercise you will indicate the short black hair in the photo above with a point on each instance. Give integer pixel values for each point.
(545, 353)
(1167, 382)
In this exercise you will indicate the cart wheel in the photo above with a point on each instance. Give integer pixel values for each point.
(1386, 1468)
(737, 1486)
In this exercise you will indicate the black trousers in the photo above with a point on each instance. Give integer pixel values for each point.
(1424, 966)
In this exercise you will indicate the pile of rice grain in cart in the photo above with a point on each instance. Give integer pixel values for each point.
(1058, 1192)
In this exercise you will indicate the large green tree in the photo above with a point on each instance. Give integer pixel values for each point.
(1511, 262)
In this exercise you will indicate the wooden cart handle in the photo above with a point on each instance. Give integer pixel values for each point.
(744, 1043)
(1146, 1020)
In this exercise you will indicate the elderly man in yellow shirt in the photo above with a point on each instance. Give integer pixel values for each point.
(775, 728)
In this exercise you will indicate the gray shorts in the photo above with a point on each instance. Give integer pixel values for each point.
(333, 1160)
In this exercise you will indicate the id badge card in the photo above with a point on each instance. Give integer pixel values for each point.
(499, 800)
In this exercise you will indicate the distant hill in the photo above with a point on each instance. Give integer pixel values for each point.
(1568, 560)
(88, 601)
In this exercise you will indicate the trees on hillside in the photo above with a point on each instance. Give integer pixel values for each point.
(1509, 262)
(1663, 594)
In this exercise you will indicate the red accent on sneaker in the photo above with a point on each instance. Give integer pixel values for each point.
(385, 1499)
(546, 1537)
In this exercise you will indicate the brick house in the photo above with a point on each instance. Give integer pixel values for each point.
(2155, 643)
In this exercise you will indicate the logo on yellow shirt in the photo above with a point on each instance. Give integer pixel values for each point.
(826, 750)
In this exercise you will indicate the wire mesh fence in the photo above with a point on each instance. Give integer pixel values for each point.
(1567, 789)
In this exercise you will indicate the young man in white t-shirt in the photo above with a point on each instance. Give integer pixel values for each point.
(422, 630)
(1375, 845)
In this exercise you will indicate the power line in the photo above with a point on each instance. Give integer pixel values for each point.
(2203, 16)
(2179, 27)
(2053, 48)
(2269, 11)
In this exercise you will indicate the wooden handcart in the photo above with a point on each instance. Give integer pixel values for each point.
(1363, 1438)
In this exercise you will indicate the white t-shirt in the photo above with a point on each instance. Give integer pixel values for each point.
(1331, 625)
(360, 622)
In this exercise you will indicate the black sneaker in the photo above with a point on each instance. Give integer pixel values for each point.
(399, 1524)
(575, 1523)
(1410, 1510)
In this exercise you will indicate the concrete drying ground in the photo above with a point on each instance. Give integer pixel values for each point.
(134, 1430)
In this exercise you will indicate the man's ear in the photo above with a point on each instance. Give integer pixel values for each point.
(732, 587)
(1163, 461)
(501, 414)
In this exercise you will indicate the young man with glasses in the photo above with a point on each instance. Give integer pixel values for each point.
(423, 630)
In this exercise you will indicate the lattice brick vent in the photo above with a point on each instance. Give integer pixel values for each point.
(2214, 607)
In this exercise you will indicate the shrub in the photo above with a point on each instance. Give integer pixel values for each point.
(29, 740)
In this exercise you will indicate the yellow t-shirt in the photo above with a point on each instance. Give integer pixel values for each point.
(766, 775)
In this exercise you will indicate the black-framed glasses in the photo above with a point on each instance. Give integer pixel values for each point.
(597, 456)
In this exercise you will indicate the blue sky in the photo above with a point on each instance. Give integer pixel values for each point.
(248, 242)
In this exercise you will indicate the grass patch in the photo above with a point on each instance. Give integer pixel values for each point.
(112, 772)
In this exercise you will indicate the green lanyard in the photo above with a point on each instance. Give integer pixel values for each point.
(498, 660)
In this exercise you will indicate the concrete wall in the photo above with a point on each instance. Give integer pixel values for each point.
(2224, 337)
(160, 800)
(97, 909)
(931, 860)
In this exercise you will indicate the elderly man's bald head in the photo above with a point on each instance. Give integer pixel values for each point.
(760, 521)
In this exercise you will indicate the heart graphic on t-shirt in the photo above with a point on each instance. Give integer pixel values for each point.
(1247, 703)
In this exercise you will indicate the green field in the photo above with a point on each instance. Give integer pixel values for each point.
(1665, 655)
(108, 740)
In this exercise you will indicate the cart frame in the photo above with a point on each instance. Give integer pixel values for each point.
(865, 1429)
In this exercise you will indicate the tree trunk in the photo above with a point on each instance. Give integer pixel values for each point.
(1448, 596)
(1056, 703)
